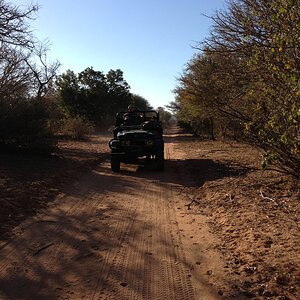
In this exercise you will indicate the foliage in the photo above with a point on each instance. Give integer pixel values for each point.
(165, 117)
(23, 81)
(76, 127)
(140, 102)
(25, 124)
(93, 95)
(247, 77)
(208, 95)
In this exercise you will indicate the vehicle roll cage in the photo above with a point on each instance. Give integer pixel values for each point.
(145, 115)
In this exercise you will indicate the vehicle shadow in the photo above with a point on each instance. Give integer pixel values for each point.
(187, 172)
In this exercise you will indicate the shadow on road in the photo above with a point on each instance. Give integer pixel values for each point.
(187, 172)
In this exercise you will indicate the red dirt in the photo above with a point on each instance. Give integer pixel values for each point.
(253, 213)
(238, 226)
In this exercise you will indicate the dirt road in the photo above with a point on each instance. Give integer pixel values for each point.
(124, 235)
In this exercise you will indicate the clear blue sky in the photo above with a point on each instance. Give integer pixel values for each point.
(149, 40)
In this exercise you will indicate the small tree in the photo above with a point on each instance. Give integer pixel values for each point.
(165, 116)
(140, 102)
(43, 72)
(93, 95)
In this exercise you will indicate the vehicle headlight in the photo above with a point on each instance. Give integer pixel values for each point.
(114, 144)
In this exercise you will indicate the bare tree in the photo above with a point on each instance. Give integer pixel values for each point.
(14, 74)
(25, 78)
(14, 27)
(43, 72)
(16, 42)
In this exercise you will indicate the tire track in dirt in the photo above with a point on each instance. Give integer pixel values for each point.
(150, 264)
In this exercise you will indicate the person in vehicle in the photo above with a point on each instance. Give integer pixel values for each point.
(132, 117)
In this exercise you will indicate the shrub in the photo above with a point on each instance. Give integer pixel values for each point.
(24, 125)
(77, 127)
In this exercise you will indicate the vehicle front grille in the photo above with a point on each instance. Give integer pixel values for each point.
(137, 142)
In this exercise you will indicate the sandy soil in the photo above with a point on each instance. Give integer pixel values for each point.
(212, 226)
(253, 214)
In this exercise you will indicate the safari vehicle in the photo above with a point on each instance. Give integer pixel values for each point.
(137, 138)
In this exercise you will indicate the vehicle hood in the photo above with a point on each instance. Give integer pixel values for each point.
(132, 134)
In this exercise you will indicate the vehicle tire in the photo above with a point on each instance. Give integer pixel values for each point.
(160, 161)
(115, 163)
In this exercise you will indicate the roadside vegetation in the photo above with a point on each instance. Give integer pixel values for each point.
(243, 82)
(37, 103)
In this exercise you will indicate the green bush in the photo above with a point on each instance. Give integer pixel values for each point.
(77, 127)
